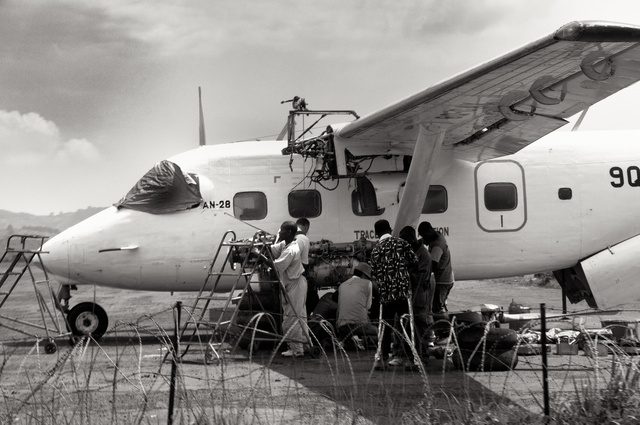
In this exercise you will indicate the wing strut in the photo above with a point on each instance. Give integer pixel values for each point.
(423, 162)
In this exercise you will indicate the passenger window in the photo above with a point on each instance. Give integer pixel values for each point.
(500, 196)
(437, 201)
(304, 203)
(565, 193)
(250, 205)
(364, 200)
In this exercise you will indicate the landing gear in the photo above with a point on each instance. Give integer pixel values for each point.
(88, 318)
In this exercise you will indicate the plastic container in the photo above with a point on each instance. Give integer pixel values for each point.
(596, 349)
(566, 349)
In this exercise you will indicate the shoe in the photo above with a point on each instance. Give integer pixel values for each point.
(291, 353)
(397, 361)
(379, 365)
(357, 342)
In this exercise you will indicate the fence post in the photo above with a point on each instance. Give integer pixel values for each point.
(174, 362)
(545, 377)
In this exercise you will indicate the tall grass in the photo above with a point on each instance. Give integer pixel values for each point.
(125, 380)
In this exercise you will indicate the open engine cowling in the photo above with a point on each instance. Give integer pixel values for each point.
(607, 279)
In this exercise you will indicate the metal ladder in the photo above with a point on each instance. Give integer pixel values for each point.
(15, 262)
(242, 274)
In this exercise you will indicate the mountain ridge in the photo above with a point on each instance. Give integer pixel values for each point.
(20, 223)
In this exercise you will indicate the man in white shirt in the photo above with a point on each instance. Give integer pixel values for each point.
(289, 266)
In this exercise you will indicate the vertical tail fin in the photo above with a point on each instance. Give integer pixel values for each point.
(203, 140)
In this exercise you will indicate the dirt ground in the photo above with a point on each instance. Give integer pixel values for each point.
(126, 377)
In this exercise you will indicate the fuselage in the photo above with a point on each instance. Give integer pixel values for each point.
(573, 194)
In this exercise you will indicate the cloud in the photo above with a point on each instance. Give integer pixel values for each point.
(77, 150)
(29, 139)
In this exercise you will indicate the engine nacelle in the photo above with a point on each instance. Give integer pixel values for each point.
(607, 279)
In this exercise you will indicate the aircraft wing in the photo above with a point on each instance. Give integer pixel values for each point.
(502, 106)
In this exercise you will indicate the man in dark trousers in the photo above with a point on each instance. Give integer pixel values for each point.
(423, 288)
(442, 269)
(303, 225)
(391, 260)
(354, 301)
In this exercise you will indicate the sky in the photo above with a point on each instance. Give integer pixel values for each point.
(93, 94)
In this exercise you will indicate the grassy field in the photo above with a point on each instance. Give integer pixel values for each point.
(126, 377)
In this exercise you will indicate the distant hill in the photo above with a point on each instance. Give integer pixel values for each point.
(12, 223)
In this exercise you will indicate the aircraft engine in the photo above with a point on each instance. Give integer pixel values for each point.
(606, 279)
(330, 264)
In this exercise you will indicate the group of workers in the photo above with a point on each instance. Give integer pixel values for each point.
(410, 278)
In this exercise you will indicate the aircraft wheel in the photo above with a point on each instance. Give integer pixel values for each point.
(50, 347)
(88, 319)
(315, 352)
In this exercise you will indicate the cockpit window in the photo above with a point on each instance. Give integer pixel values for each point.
(164, 189)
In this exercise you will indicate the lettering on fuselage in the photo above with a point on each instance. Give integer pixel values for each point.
(216, 205)
(367, 234)
(371, 234)
(632, 176)
(444, 231)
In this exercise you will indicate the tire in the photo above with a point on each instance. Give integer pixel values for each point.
(467, 317)
(497, 338)
(491, 361)
(315, 352)
(88, 319)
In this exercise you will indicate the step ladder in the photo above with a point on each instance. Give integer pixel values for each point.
(254, 254)
(250, 253)
(21, 253)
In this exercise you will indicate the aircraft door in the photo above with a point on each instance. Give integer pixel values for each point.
(501, 203)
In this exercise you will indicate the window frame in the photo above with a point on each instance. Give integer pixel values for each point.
(491, 198)
(262, 198)
(446, 199)
(305, 213)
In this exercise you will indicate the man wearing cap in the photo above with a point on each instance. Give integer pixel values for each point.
(354, 301)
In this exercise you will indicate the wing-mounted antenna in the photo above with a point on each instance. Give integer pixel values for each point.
(577, 124)
(203, 140)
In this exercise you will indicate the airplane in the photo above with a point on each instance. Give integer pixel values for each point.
(463, 154)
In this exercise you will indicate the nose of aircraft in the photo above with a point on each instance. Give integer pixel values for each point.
(55, 257)
(66, 253)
